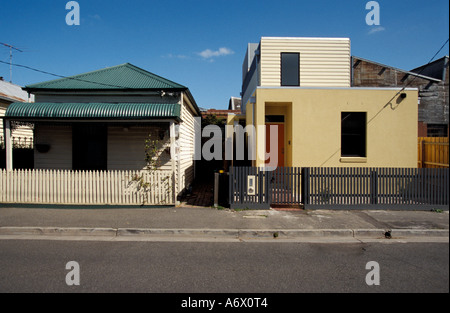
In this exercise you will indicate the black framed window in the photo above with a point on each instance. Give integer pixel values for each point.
(353, 134)
(290, 69)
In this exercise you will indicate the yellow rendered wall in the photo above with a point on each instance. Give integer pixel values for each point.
(313, 124)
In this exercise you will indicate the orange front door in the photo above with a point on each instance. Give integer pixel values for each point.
(280, 144)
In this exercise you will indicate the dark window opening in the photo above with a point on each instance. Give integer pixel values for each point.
(437, 130)
(290, 69)
(353, 134)
(274, 118)
(89, 147)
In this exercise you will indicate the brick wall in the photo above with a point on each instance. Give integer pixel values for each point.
(434, 96)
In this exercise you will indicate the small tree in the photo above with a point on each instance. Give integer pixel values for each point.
(140, 180)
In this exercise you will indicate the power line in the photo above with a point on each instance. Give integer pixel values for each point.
(61, 76)
(420, 72)
(411, 81)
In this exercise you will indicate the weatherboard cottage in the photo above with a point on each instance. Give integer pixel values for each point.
(98, 122)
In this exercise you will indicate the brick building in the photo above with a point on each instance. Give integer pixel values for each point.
(432, 80)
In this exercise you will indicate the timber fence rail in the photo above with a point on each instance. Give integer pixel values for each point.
(433, 152)
(85, 187)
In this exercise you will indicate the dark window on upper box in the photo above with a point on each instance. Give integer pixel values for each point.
(353, 134)
(290, 69)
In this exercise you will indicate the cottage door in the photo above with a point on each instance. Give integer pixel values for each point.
(89, 147)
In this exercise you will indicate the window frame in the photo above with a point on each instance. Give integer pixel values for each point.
(281, 70)
(363, 136)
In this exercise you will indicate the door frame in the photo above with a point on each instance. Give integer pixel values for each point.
(281, 151)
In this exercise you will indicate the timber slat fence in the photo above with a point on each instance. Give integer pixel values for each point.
(84, 187)
(433, 152)
(386, 188)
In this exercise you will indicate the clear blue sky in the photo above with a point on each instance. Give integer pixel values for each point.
(201, 44)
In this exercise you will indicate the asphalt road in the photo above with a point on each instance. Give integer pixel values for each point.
(194, 267)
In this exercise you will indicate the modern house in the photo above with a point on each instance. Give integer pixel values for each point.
(100, 120)
(298, 97)
(431, 80)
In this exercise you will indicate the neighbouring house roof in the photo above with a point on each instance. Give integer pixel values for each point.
(412, 73)
(219, 113)
(121, 77)
(435, 69)
(85, 111)
(234, 103)
(13, 93)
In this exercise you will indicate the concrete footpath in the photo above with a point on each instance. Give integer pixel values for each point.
(209, 224)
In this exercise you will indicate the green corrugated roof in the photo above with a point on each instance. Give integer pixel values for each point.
(121, 111)
(124, 76)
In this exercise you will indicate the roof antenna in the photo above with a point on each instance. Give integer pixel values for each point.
(10, 58)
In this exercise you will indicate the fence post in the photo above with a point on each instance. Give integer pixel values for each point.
(305, 185)
(373, 187)
(423, 154)
(216, 190)
(230, 186)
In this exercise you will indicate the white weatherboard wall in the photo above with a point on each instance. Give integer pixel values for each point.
(59, 137)
(324, 62)
(186, 143)
(126, 147)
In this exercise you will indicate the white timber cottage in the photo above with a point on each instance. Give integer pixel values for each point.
(97, 124)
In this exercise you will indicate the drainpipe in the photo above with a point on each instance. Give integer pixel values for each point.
(8, 144)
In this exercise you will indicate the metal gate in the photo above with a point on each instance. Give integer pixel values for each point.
(260, 188)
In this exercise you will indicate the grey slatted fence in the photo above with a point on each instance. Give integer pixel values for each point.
(383, 188)
(340, 188)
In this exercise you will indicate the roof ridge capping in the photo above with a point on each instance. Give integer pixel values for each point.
(154, 75)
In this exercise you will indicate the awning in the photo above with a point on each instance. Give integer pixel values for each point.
(90, 111)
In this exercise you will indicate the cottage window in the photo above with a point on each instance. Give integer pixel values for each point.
(353, 134)
(290, 69)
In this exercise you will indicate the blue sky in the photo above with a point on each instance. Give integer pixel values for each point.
(201, 43)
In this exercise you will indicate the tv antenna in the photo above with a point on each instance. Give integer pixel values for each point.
(11, 48)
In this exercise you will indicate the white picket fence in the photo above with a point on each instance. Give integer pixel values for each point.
(84, 187)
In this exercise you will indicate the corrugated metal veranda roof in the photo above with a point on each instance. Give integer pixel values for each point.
(119, 111)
